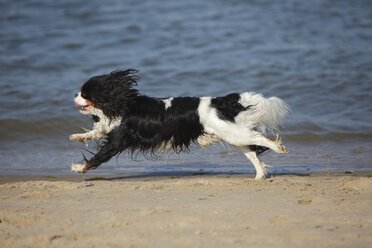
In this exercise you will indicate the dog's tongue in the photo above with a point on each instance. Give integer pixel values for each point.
(77, 105)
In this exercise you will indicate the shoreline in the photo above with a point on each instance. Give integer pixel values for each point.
(75, 177)
(186, 210)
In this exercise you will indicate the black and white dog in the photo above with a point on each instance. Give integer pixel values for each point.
(126, 120)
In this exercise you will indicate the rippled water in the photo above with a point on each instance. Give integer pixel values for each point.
(316, 55)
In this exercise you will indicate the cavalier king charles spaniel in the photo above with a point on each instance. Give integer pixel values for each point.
(124, 119)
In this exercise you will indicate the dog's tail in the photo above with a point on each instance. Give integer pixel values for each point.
(266, 113)
(275, 110)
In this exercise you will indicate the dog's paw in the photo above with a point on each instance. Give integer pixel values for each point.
(78, 168)
(77, 137)
(279, 147)
(261, 175)
(283, 149)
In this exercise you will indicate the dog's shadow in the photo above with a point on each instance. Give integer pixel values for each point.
(178, 175)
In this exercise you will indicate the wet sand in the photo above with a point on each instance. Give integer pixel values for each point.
(186, 210)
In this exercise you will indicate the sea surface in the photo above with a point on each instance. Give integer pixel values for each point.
(315, 55)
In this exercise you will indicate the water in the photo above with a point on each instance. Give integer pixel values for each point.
(316, 55)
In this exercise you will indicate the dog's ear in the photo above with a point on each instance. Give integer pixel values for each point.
(113, 93)
(128, 76)
(92, 91)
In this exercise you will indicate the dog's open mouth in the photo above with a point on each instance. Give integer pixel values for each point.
(82, 107)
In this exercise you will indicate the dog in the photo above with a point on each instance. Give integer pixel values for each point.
(126, 120)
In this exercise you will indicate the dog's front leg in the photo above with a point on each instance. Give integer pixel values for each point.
(105, 153)
(82, 137)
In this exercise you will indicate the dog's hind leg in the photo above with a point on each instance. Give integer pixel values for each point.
(254, 138)
(257, 163)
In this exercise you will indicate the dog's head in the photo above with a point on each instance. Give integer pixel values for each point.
(111, 93)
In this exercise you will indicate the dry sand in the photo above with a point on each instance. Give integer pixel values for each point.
(327, 210)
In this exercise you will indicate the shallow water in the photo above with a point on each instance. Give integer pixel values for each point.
(315, 55)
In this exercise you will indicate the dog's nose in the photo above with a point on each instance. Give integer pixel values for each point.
(76, 94)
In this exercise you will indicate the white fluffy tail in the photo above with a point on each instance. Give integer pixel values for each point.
(265, 113)
(275, 111)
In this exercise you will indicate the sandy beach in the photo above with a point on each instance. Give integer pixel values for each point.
(318, 210)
